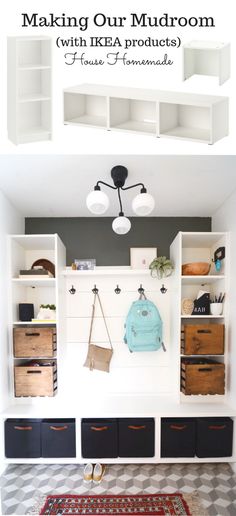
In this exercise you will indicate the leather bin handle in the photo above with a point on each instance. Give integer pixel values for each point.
(22, 427)
(217, 427)
(58, 428)
(178, 427)
(98, 429)
(133, 427)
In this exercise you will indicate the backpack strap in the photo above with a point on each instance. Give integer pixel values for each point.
(142, 296)
(96, 295)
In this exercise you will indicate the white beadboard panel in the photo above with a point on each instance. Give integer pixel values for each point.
(114, 305)
(122, 357)
(78, 329)
(127, 380)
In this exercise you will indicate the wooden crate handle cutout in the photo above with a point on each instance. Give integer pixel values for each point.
(32, 334)
(34, 372)
(204, 369)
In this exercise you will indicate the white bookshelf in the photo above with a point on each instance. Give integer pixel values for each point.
(194, 247)
(201, 118)
(207, 58)
(29, 89)
(23, 251)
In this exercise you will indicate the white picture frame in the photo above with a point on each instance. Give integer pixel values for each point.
(141, 257)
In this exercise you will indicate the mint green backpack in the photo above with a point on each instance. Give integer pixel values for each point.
(143, 327)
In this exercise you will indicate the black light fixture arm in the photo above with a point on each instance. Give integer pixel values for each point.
(143, 189)
(97, 187)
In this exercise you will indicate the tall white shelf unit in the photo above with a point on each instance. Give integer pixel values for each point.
(23, 251)
(78, 405)
(29, 89)
(199, 247)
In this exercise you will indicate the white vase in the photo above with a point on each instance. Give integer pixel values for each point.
(216, 308)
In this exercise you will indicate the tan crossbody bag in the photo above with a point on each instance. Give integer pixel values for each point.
(98, 357)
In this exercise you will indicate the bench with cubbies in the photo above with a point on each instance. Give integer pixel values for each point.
(187, 116)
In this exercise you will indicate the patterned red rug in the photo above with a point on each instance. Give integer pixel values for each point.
(153, 504)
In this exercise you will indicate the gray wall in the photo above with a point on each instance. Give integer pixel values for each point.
(90, 237)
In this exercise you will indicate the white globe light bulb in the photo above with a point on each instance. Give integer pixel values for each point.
(121, 225)
(97, 202)
(143, 204)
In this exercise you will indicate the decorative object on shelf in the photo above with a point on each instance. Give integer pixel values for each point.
(202, 339)
(26, 311)
(72, 290)
(73, 267)
(98, 357)
(46, 264)
(196, 269)
(87, 264)
(117, 290)
(187, 306)
(202, 304)
(216, 304)
(98, 202)
(163, 289)
(140, 257)
(46, 312)
(35, 273)
(161, 267)
(219, 255)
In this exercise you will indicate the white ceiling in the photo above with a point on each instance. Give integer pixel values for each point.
(57, 185)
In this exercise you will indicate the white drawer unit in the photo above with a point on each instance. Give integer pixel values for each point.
(29, 89)
(200, 118)
(207, 58)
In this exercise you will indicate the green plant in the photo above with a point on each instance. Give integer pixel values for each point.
(50, 307)
(161, 267)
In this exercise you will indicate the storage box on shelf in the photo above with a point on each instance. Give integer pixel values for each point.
(29, 89)
(208, 334)
(201, 118)
(206, 58)
(38, 339)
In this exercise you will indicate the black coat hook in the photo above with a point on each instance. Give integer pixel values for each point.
(95, 289)
(141, 289)
(163, 289)
(117, 290)
(72, 290)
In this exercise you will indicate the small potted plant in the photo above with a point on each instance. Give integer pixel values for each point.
(47, 312)
(161, 267)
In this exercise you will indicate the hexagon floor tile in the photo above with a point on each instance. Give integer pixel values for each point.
(215, 483)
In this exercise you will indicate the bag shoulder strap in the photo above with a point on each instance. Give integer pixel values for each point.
(96, 295)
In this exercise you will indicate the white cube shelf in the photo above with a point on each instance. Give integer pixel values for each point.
(29, 89)
(206, 58)
(201, 118)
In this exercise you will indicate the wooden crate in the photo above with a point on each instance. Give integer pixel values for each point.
(32, 342)
(202, 339)
(35, 380)
(202, 377)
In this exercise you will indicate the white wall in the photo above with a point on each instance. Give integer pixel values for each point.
(11, 221)
(225, 220)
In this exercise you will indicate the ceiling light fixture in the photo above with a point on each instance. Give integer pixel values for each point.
(98, 202)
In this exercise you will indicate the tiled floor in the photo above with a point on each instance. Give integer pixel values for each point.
(215, 483)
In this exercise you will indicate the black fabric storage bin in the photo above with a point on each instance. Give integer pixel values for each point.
(178, 437)
(22, 438)
(214, 437)
(99, 438)
(136, 437)
(58, 438)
